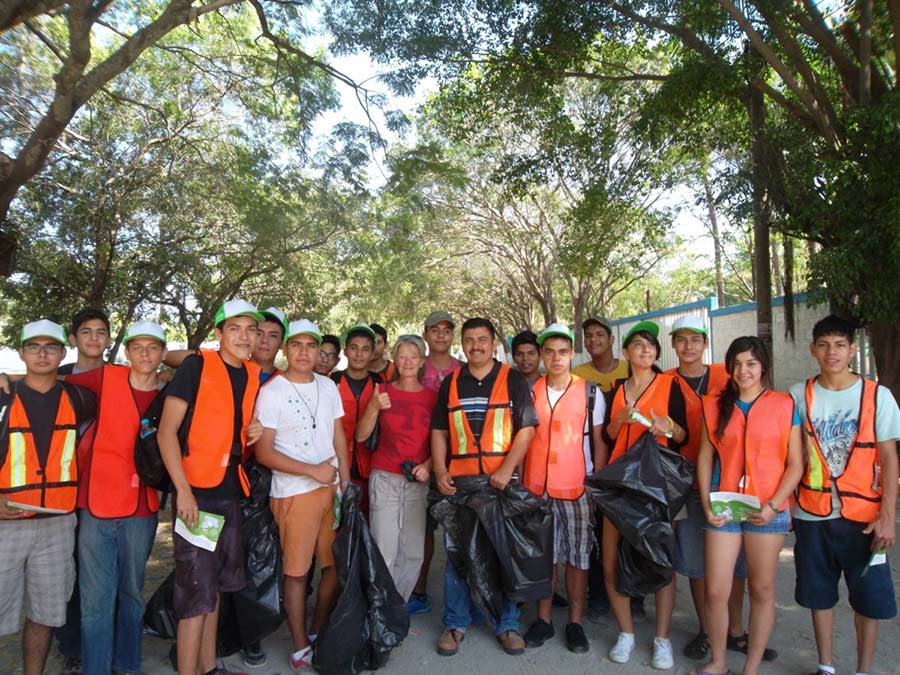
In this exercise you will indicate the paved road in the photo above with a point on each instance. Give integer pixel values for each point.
(792, 637)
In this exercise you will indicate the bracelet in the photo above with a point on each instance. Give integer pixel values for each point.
(772, 506)
(671, 424)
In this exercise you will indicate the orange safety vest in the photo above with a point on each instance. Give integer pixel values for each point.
(359, 455)
(114, 488)
(717, 380)
(555, 462)
(753, 449)
(859, 487)
(654, 398)
(212, 424)
(470, 457)
(23, 478)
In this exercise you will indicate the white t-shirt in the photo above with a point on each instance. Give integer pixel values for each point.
(302, 416)
(835, 417)
(553, 395)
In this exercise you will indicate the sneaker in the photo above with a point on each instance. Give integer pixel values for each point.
(538, 633)
(71, 666)
(576, 641)
(254, 656)
(222, 670)
(419, 603)
(599, 614)
(662, 654)
(621, 651)
(302, 659)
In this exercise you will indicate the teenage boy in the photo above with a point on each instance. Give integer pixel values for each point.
(303, 443)
(690, 339)
(603, 369)
(219, 389)
(379, 363)
(438, 335)
(329, 353)
(483, 423)
(117, 514)
(526, 355)
(844, 521)
(271, 336)
(42, 421)
(356, 385)
(91, 336)
(566, 447)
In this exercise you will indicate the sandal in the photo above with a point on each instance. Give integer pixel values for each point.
(698, 648)
(448, 643)
(739, 644)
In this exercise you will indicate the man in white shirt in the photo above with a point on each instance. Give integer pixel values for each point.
(303, 443)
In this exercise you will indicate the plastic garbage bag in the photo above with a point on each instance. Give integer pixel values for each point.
(640, 493)
(501, 542)
(370, 617)
(251, 614)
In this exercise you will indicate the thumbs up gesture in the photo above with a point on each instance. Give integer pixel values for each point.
(381, 400)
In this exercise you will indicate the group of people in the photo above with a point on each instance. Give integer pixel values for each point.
(821, 460)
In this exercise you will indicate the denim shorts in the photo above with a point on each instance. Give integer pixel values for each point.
(824, 550)
(690, 545)
(780, 524)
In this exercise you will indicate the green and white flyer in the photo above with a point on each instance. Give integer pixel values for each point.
(736, 506)
(206, 533)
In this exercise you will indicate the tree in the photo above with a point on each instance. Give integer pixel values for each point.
(91, 43)
(830, 136)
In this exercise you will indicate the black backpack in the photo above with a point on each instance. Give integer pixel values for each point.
(147, 459)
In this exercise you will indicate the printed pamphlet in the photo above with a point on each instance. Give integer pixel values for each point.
(738, 507)
(206, 533)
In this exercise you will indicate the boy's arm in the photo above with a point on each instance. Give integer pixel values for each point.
(174, 411)
(885, 526)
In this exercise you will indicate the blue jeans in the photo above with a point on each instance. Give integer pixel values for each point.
(112, 556)
(460, 611)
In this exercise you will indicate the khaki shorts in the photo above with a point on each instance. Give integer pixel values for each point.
(305, 525)
(37, 566)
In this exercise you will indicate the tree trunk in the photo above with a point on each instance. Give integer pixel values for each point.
(776, 266)
(788, 246)
(717, 239)
(884, 338)
(762, 264)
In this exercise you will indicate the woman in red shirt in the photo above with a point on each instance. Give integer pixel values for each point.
(397, 499)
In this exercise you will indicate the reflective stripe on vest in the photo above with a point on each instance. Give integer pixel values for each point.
(114, 488)
(654, 398)
(22, 477)
(211, 432)
(467, 456)
(360, 457)
(554, 463)
(859, 486)
(753, 449)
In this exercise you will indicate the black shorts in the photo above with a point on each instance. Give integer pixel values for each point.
(200, 575)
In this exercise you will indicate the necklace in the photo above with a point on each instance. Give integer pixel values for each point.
(700, 383)
(302, 398)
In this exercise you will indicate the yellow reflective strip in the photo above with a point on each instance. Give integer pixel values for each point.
(17, 459)
(460, 433)
(815, 474)
(68, 454)
(499, 418)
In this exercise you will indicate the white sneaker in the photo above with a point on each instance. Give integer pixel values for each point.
(662, 654)
(621, 651)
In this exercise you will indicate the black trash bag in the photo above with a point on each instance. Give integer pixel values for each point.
(640, 494)
(501, 542)
(251, 614)
(370, 617)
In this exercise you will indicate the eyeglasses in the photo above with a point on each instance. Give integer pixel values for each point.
(49, 349)
(325, 354)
